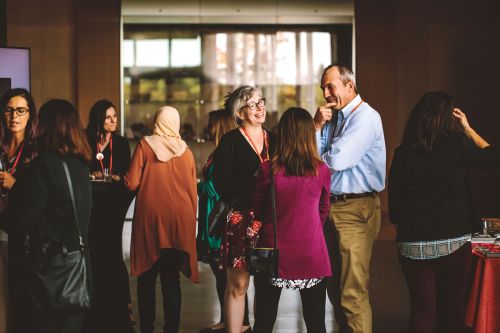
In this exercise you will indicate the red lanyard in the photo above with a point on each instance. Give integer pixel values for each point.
(255, 147)
(13, 169)
(110, 156)
(343, 121)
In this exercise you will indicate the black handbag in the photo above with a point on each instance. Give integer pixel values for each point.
(57, 279)
(264, 261)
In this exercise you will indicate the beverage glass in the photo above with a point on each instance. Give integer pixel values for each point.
(107, 175)
(486, 227)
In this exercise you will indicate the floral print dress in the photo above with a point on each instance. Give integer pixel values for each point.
(242, 233)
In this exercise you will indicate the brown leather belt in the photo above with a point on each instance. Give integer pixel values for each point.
(344, 197)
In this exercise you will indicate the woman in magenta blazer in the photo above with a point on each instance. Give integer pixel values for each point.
(302, 186)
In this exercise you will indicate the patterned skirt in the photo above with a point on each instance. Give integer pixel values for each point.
(242, 233)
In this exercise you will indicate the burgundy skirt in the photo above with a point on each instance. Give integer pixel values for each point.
(242, 233)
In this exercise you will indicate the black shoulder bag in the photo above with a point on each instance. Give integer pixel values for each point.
(56, 279)
(264, 261)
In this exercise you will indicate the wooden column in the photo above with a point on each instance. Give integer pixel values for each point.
(98, 53)
(3, 23)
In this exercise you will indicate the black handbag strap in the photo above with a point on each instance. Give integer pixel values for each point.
(70, 186)
(273, 206)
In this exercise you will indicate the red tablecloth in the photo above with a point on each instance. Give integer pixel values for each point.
(483, 308)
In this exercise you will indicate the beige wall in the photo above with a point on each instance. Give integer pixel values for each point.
(406, 48)
(75, 48)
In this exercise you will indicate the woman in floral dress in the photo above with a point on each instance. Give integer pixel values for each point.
(236, 162)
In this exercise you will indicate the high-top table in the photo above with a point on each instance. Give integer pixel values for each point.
(483, 308)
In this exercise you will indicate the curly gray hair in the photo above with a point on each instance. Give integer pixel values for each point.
(237, 99)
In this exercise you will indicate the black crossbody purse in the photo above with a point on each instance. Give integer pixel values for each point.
(56, 279)
(264, 261)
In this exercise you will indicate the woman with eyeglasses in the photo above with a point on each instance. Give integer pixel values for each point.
(111, 199)
(18, 120)
(236, 162)
(41, 206)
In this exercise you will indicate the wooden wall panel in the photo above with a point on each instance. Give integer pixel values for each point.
(75, 48)
(47, 28)
(3, 23)
(376, 54)
(428, 45)
(98, 54)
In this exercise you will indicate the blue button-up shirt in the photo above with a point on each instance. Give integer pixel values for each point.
(356, 155)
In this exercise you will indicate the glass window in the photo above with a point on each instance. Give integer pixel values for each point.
(321, 51)
(152, 53)
(286, 58)
(128, 53)
(192, 69)
(186, 52)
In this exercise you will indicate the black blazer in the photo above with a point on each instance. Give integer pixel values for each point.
(121, 156)
(429, 195)
(40, 204)
(235, 167)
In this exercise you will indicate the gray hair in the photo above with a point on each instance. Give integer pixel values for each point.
(238, 98)
(346, 74)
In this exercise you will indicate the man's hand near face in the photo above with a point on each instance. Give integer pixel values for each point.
(323, 114)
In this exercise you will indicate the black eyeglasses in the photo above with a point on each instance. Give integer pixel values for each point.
(253, 106)
(20, 111)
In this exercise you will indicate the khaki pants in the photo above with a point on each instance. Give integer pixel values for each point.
(357, 222)
(4, 292)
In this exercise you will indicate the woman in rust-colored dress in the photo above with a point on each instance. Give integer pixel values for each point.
(164, 226)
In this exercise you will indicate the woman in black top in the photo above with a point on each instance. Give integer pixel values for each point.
(40, 205)
(236, 161)
(110, 153)
(219, 123)
(18, 119)
(431, 205)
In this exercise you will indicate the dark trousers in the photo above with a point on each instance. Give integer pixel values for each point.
(220, 285)
(438, 291)
(333, 282)
(168, 267)
(267, 298)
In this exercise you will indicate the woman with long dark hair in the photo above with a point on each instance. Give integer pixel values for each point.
(302, 196)
(111, 151)
(111, 199)
(17, 135)
(431, 205)
(40, 206)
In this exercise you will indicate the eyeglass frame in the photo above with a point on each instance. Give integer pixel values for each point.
(10, 111)
(253, 106)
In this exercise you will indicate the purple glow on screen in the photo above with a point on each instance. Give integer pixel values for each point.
(15, 64)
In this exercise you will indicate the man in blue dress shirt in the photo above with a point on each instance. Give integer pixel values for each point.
(350, 140)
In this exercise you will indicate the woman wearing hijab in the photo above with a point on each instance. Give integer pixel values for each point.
(164, 226)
